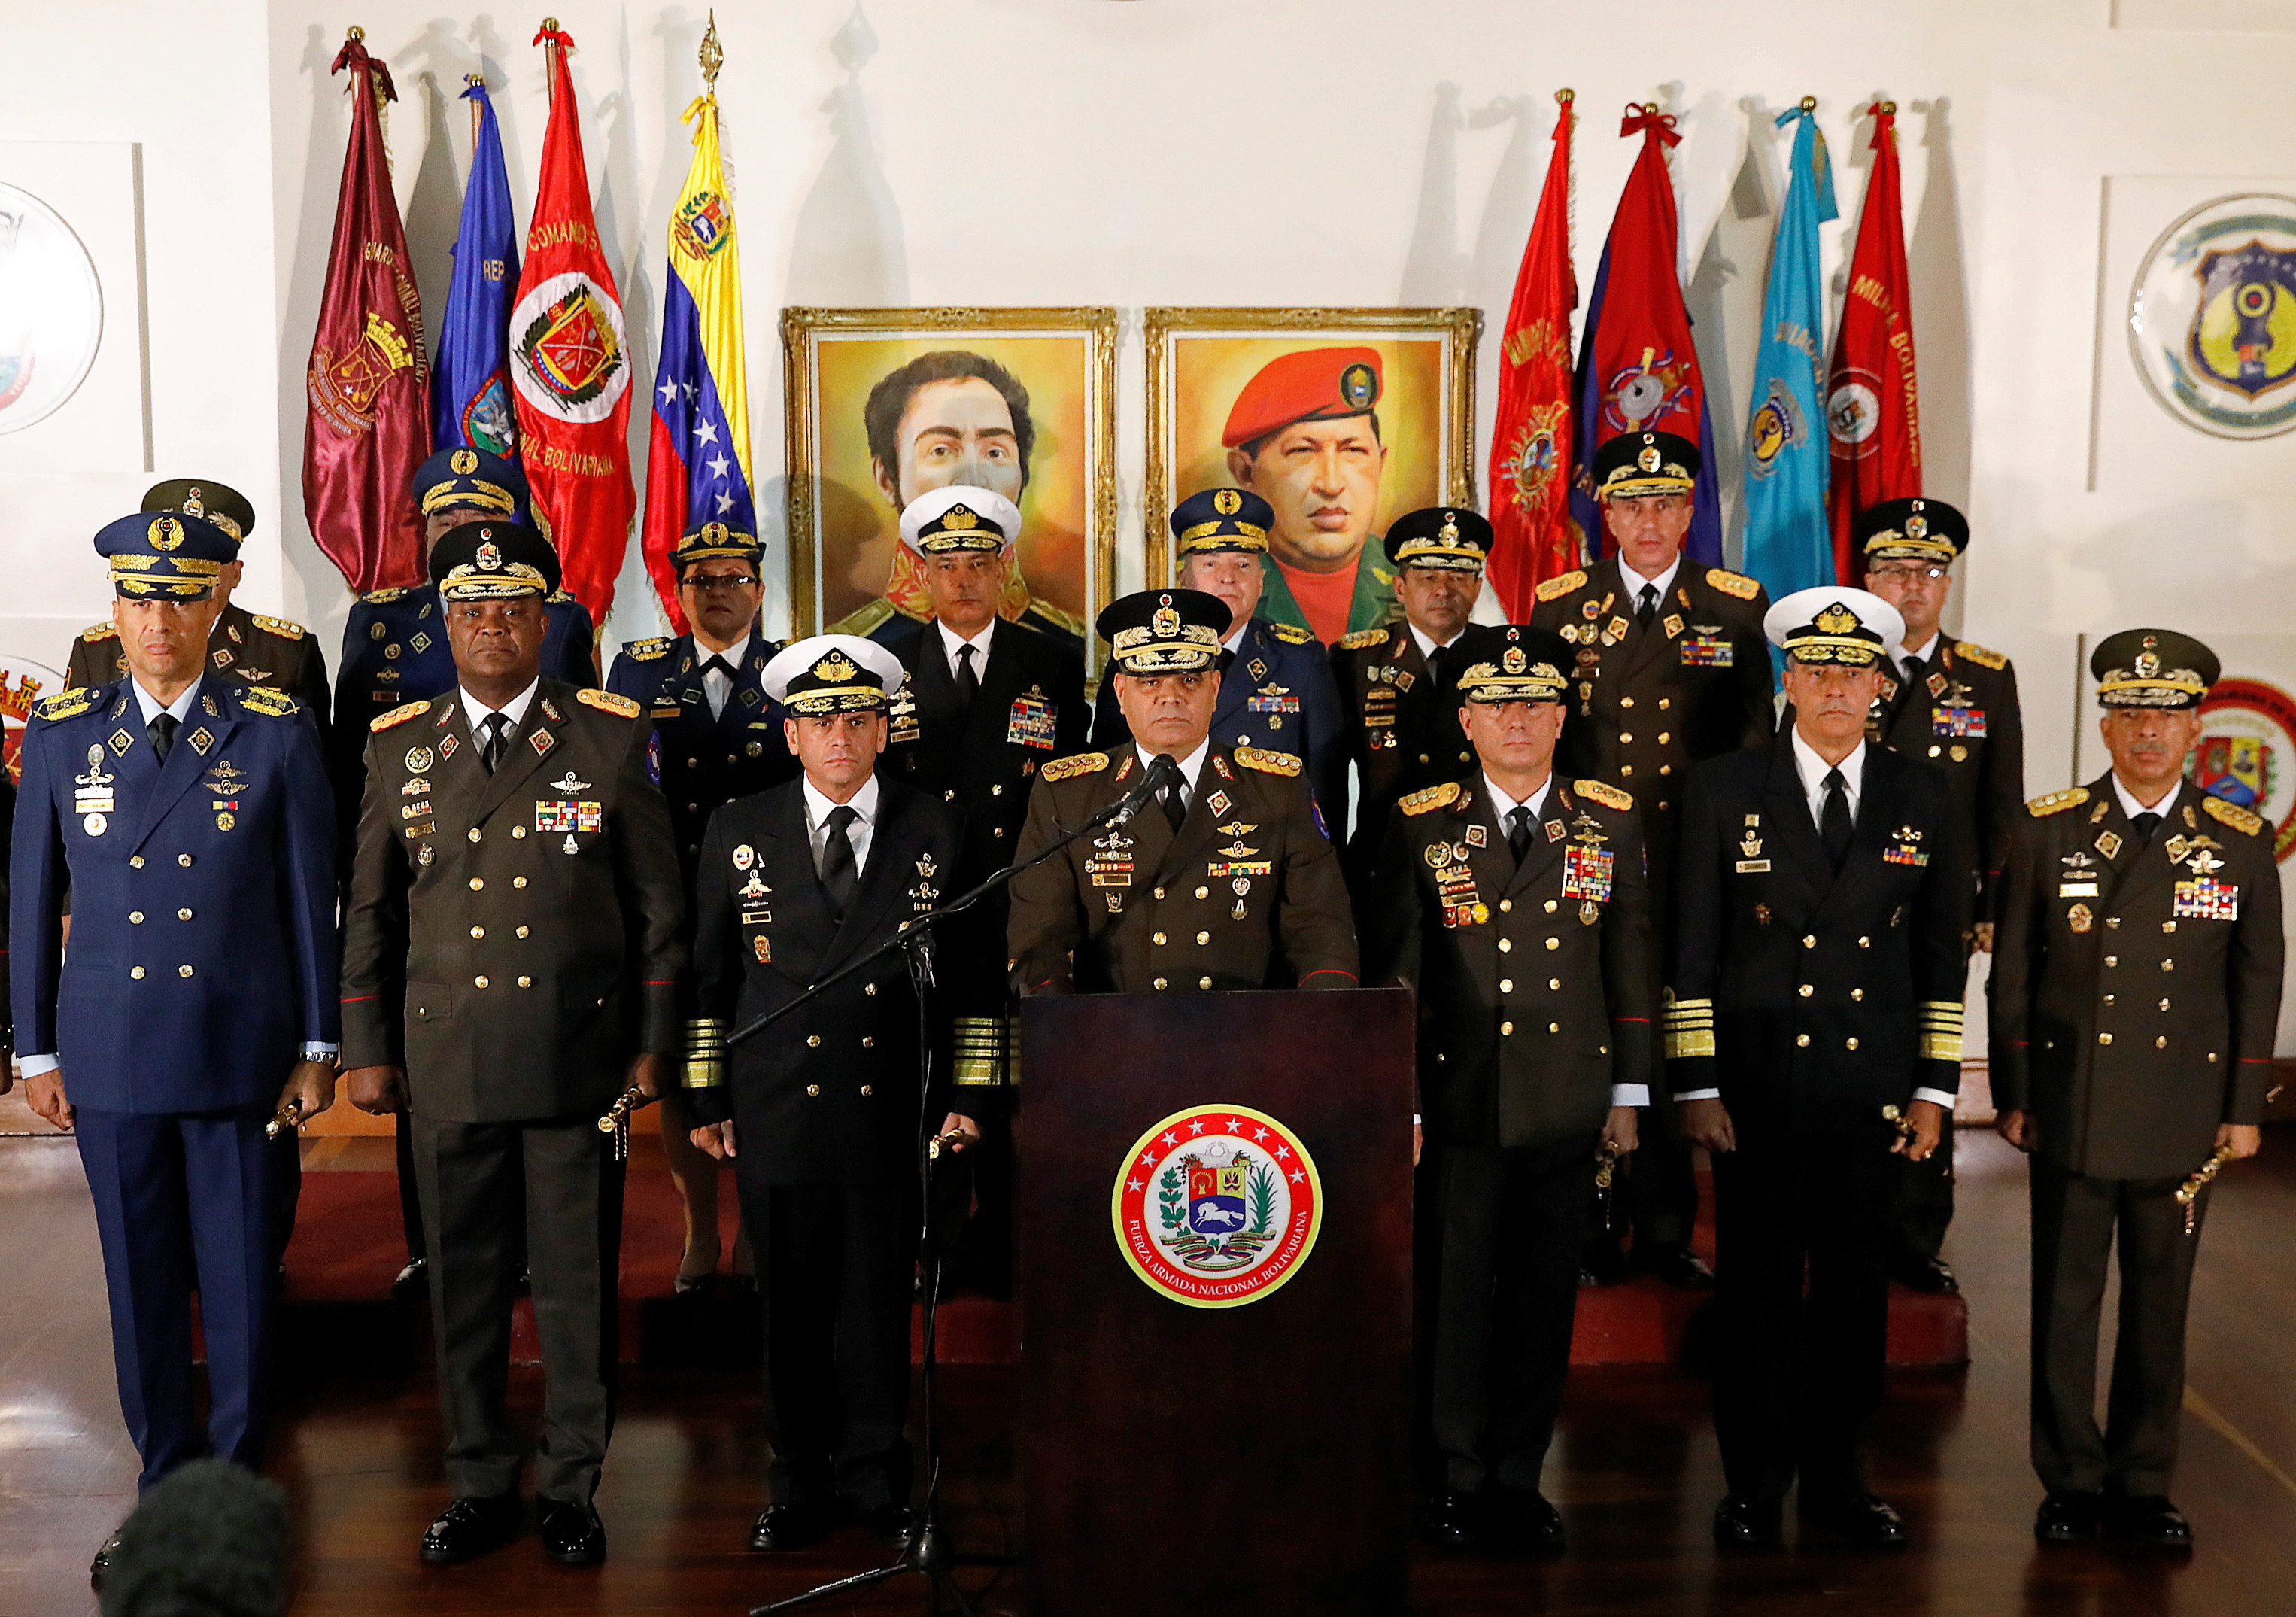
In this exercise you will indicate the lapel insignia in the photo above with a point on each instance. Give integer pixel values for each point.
(1938, 683)
(419, 760)
(1613, 631)
(2096, 814)
(446, 713)
(222, 660)
(119, 709)
(1219, 766)
(1674, 625)
(542, 741)
(207, 705)
(744, 856)
(550, 712)
(570, 781)
(2108, 844)
(1555, 831)
(2190, 822)
(1259, 667)
(2179, 847)
(420, 642)
(749, 699)
(121, 742)
(201, 740)
(1477, 837)
(1220, 801)
(446, 747)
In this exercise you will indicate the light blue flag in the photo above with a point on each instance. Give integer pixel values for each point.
(1789, 542)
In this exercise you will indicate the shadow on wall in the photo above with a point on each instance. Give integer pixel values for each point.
(307, 569)
(1434, 269)
(847, 246)
(1935, 266)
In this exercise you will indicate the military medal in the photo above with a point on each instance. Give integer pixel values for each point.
(1031, 721)
(446, 747)
(425, 854)
(2079, 879)
(1905, 848)
(2079, 918)
(1709, 648)
(419, 760)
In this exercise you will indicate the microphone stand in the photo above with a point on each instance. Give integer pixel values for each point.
(930, 1552)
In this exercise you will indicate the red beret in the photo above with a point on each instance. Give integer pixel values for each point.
(1321, 385)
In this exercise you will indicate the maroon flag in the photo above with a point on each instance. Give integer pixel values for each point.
(368, 384)
(1872, 408)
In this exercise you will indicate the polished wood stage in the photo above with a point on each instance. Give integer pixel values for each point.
(1635, 1472)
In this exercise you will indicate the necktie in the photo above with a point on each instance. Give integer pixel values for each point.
(1833, 826)
(163, 726)
(497, 741)
(1913, 676)
(1646, 605)
(968, 682)
(1175, 799)
(1519, 832)
(838, 870)
(2146, 825)
(715, 695)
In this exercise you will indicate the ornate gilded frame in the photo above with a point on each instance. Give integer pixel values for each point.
(802, 331)
(1458, 330)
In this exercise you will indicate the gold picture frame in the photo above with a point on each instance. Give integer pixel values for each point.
(843, 501)
(1184, 396)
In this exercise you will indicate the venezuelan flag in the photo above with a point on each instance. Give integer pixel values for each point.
(698, 457)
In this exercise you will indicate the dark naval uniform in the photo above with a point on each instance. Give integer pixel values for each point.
(704, 761)
(513, 941)
(1960, 713)
(2135, 990)
(201, 970)
(268, 652)
(1537, 982)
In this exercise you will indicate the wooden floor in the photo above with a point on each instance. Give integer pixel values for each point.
(1636, 1473)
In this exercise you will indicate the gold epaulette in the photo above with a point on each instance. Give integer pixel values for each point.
(1291, 634)
(1065, 768)
(1363, 638)
(263, 699)
(651, 650)
(279, 627)
(559, 597)
(2232, 814)
(96, 633)
(66, 704)
(1429, 799)
(383, 597)
(1734, 583)
(1267, 762)
(606, 702)
(1978, 655)
(398, 716)
(1554, 589)
(1604, 794)
(2056, 802)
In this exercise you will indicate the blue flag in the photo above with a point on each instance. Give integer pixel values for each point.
(1789, 542)
(470, 386)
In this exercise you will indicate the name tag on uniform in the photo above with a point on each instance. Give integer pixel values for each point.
(2208, 900)
(565, 813)
(1031, 722)
(1753, 867)
(2077, 890)
(1709, 648)
(1967, 723)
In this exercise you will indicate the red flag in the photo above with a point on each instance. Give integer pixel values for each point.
(570, 361)
(369, 381)
(1873, 413)
(1533, 536)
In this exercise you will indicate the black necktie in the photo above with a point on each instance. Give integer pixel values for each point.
(838, 871)
(1175, 797)
(2145, 823)
(1646, 605)
(717, 665)
(163, 726)
(495, 742)
(968, 682)
(1519, 830)
(1833, 826)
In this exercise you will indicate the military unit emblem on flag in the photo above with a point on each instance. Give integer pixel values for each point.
(470, 395)
(573, 359)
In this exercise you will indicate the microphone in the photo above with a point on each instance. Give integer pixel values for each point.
(1162, 772)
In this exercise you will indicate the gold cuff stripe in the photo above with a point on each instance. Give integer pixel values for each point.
(1940, 1045)
(987, 1053)
(705, 1051)
(1682, 1044)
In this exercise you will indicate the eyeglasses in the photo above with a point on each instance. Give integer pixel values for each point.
(1908, 574)
(732, 580)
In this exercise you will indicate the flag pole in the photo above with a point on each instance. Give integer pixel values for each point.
(472, 81)
(711, 55)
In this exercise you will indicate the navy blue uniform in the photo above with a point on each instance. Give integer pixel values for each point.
(702, 762)
(203, 959)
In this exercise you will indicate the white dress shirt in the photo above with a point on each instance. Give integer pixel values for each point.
(860, 832)
(1633, 581)
(952, 643)
(1427, 645)
(1914, 654)
(1191, 765)
(2130, 807)
(717, 687)
(515, 709)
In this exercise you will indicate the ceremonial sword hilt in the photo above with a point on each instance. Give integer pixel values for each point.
(2188, 1193)
(287, 1120)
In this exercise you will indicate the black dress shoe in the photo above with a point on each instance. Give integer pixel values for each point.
(1742, 1522)
(101, 1567)
(1863, 1519)
(1451, 1520)
(470, 1528)
(781, 1527)
(1603, 1262)
(1678, 1266)
(1523, 1520)
(894, 1523)
(1932, 1276)
(414, 1280)
(2070, 1515)
(2147, 1518)
(572, 1533)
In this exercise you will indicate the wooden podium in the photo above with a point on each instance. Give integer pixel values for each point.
(1213, 1208)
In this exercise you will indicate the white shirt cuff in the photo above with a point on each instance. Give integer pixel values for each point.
(1630, 1094)
(1940, 1096)
(1698, 1095)
(314, 1051)
(32, 1066)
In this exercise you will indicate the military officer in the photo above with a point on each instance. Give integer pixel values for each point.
(514, 936)
(717, 737)
(1277, 692)
(1398, 692)
(1226, 881)
(1955, 704)
(1817, 978)
(395, 652)
(187, 814)
(820, 1111)
(2136, 985)
(1672, 669)
(268, 652)
(1482, 883)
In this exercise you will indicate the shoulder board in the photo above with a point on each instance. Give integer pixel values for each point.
(648, 650)
(1267, 762)
(2232, 814)
(96, 633)
(279, 627)
(2057, 802)
(68, 704)
(1291, 634)
(398, 716)
(384, 597)
(1978, 655)
(606, 702)
(1083, 763)
(263, 699)
(560, 597)
(1554, 589)
(1431, 798)
(1363, 638)
(1734, 583)
(1604, 794)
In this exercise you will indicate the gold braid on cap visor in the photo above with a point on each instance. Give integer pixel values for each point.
(469, 496)
(1483, 683)
(1141, 651)
(834, 699)
(2169, 688)
(186, 577)
(1835, 636)
(469, 582)
(1672, 478)
(1240, 536)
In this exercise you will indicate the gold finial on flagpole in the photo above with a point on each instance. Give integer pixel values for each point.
(1566, 96)
(1651, 107)
(712, 54)
(1809, 103)
(357, 34)
(471, 81)
(1890, 109)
